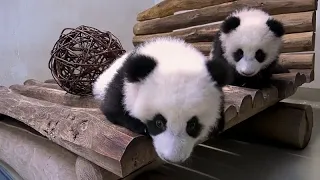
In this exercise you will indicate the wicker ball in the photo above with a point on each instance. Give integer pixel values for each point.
(80, 56)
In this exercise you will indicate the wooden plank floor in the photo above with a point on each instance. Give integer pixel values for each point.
(230, 159)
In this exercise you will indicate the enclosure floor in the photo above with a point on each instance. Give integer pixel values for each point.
(237, 160)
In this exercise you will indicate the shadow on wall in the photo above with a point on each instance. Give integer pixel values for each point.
(30, 28)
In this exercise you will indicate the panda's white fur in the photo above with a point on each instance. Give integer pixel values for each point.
(245, 32)
(252, 34)
(102, 82)
(179, 88)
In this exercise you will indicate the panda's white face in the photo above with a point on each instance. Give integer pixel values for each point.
(178, 102)
(251, 46)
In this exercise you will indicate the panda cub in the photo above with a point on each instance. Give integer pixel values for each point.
(168, 90)
(250, 40)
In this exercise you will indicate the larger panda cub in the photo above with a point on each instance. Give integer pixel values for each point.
(250, 40)
(167, 89)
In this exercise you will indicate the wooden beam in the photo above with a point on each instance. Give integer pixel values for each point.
(293, 23)
(261, 99)
(297, 42)
(204, 33)
(81, 131)
(309, 73)
(86, 132)
(297, 61)
(32, 82)
(50, 81)
(287, 83)
(55, 96)
(285, 123)
(169, 7)
(217, 13)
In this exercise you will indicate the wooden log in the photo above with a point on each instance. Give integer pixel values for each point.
(230, 112)
(297, 61)
(285, 123)
(293, 23)
(287, 83)
(256, 95)
(218, 13)
(169, 7)
(241, 100)
(55, 96)
(242, 103)
(82, 132)
(86, 170)
(33, 82)
(309, 73)
(46, 160)
(297, 42)
(270, 97)
(52, 81)
(204, 33)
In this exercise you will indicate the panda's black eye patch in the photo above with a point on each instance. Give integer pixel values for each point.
(260, 56)
(157, 125)
(237, 55)
(193, 128)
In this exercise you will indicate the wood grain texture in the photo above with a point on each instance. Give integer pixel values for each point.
(32, 156)
(217, 13)
(293, 23)
(309, 73)
(55, 96)
(298, 42)
(285, 123)
(81, 131)
(203, 33)
(297, 61)
(261, 99)
(287, 83)
(169, 7)
(50, 81)
(33, 82)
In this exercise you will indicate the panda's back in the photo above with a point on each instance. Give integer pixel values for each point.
(103, 81)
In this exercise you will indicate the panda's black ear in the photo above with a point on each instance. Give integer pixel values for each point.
(276, 27)
(230, 24)
(137, 67)
(220, 71)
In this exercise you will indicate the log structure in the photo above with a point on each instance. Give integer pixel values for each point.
(77, 124)
(288, 123)
(197, 23)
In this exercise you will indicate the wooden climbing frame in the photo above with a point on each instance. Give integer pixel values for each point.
(77, 124)
(198, 21)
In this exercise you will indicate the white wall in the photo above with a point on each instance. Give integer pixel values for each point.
(29, 29)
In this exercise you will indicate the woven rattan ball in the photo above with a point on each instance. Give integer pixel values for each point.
(80, 56)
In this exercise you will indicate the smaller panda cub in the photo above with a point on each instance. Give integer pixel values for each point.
(250, 40)
(167, 89)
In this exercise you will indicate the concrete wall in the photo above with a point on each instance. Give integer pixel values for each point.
(29, 29)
